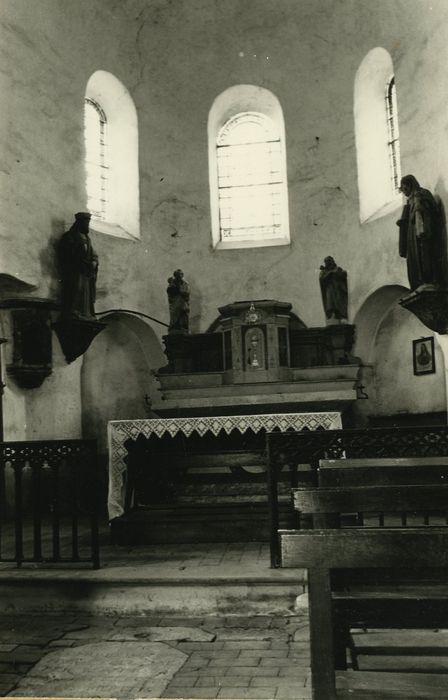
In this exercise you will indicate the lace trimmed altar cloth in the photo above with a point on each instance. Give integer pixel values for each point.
(119, 431)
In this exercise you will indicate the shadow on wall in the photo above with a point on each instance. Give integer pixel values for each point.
(441, 196)
(116, 378)
(48, 258)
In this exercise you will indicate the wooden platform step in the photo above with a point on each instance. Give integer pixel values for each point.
(373, 685)
(198, 522)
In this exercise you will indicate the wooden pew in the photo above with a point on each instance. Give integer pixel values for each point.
(390, 577)
(418, 445)
(382, 471)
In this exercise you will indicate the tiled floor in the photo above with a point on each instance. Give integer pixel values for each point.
(228, 657)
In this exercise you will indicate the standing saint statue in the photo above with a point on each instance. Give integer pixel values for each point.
(333, 286)
(79, 268)
(178, 292)
(420, 234)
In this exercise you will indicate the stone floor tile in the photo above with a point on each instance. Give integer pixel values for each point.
(293, 693)
(235, 663)
(192, 665)
(266, 672)
(5, 648)
(23, 655)
(8, 681)
(184, 679)
(211, 653)
(296, 670)
(242, 671)
(177, 621)
(160, 634)
(131, 621)
(21, 669)
(103, 669)
(188, 647)
(263, 681)
(264, 653)
(208, 681)
(195, 692)
(255, 693)
(215, 671)
(275, 662)
(255, 634)
(247, 644)
(302, 634)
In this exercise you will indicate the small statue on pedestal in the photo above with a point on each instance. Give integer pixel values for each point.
(79, 268)
(178, 292)
(420, 235)
(333, 286)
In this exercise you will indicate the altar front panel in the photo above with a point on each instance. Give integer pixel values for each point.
(209, 427)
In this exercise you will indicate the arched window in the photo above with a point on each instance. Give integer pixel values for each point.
(377, 137)
(247, 169)
(111, 157)
(394, 140)
(97, 166)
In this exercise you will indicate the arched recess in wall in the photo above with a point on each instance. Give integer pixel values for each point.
(247, 169)
(376, 135)
(385, 332)
(116, 374)
(369, 316)
(120, 215)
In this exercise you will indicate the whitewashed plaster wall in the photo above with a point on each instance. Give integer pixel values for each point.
(389, 380)
(116, 377)
(175, 58)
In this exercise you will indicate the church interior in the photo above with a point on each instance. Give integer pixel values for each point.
(224, 269)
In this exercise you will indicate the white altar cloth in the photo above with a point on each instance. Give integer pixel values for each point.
(119, 431)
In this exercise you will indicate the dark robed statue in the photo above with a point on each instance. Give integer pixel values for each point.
(420, 240)
(78, 266)
(178, 292)
(333, 285)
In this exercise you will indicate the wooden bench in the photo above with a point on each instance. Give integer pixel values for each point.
(418, 446)
(382, 471)
(378, 577)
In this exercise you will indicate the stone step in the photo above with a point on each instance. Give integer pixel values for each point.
(134, 593)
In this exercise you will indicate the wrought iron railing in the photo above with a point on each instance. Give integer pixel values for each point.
(289, 449)
(49, 502)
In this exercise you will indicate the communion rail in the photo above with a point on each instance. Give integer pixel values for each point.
(49, 502)
(294, 450)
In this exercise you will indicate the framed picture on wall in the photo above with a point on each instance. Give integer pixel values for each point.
(423, 356)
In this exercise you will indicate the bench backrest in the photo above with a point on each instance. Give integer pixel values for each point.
(365, 548)
(338, 474)
(372, 499)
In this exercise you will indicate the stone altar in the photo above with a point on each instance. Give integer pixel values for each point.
(258, 353)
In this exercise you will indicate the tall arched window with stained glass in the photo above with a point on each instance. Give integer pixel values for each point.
(393, 142)
(249, 178)
(97, 166)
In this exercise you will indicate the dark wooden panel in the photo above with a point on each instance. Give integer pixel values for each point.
(365, 547)
(375, 476)
(371, 499)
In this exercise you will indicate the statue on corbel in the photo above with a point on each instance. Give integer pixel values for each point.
(78, 265)
(422, 241)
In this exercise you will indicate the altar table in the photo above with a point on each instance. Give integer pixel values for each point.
(120, 431)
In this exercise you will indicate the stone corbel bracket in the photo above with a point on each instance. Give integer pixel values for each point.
(430, 306)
